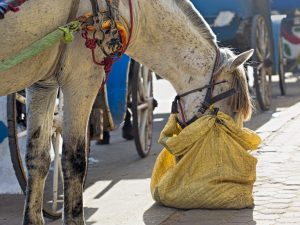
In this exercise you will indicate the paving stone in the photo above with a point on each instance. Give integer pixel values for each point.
(291, 215)
(265, 222)
(296, 204)
(284, 191)
(266, 198)
(294, 209)
(236, 223)
(289, 220)
(266, 217)
(277, 206)
(285, 196)
(286, 223)
(291, 187)
(252, 223)
(241, 220)
(281, 200)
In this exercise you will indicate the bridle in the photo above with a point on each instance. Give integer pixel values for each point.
(209, 100)
(106, 22)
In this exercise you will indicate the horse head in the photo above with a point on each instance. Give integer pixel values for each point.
(173, 39)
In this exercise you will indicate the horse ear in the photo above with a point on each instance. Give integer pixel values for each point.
(240, 60)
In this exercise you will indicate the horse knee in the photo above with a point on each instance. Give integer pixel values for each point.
(37, 156)
(38, 162)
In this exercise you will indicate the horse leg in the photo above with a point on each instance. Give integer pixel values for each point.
(79, 95)
(40, 108)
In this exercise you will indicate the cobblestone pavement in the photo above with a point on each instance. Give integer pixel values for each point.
(117, 188)
(277, 190)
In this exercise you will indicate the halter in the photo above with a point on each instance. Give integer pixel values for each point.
(209, 100)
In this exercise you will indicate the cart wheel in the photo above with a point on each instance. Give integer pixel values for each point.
(142, 107)
(260, 41)
(282, 83)
(16, 114)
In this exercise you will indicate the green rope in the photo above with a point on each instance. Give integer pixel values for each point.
(65, 32)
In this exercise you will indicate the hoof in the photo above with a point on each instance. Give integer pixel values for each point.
(74, 222)
(105, 140)
(127, 132)
(35, 221)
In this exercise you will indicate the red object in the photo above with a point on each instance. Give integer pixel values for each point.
(290, 37)
(13, 8)
(108, 61)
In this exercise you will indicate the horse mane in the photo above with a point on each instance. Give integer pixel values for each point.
(241, 102)
(197, 20)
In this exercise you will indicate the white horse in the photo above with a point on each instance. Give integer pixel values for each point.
(169, 37)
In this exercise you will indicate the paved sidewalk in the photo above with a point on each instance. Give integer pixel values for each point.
(277, 190)
(118, 185)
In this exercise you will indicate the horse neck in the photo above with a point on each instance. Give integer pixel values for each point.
(167, 42)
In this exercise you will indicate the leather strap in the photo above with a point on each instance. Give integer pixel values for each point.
(208, 100)
(212, 100)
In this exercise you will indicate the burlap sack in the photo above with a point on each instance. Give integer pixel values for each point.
(205, 165)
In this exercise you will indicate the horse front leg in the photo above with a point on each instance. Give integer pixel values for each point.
(40, 108)
(79, 96)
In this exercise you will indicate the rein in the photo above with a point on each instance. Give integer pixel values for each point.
(209, 100)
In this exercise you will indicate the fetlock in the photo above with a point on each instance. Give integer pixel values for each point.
(74, 221)
(35, 219)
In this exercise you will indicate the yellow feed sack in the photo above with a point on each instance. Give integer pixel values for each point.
(205, 165)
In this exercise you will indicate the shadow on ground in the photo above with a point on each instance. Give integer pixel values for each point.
(200, 217)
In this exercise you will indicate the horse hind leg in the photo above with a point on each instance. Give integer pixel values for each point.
(40, 108)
